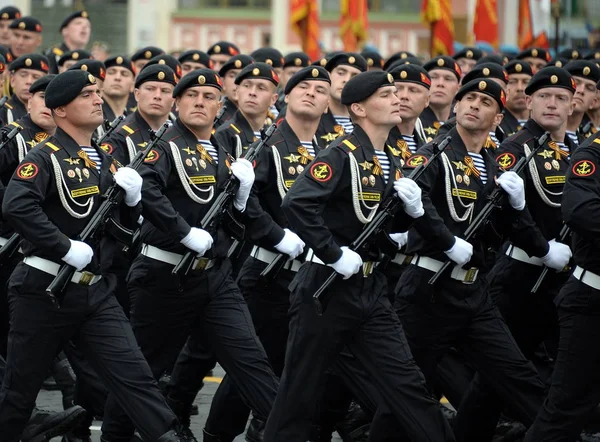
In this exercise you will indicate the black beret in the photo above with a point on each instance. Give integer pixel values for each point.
(323, 61)
(166, 59)
(65, 87)
(347, 58)
(362, 86)
(119, 61)
(469, 52)
(26, 24)
(146, 53)
(9, 13)
(223, 47)
(402, 55)
(157, 72)
(486, 70)
(296, 59)
(594, 54)
(373, 58)
(485, 86)
(5, 52)
(493, 58)
(551, 77)
(199, 77)
(77, 54)
(411, 73)
(69, 18)
(540, 53)
(585, 69)
(306, 74)
(518, 67)
(408, 60)
(559, 62)
(239, 61)
(569, 54)
(443, 62)
(196, 57)
(41, 83)
(258, 71)
(270, 56)
(94, 67)
(37, 62)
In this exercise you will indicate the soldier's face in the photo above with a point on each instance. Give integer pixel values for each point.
(198, 106)
(466, 65)
(139, 64)
(5, 34)
(444, 86)
(380, 109)
(190, 66)
(66, 65)
(85, 111)
(39, 113)
(21, 80)
(339, 77)
(154, 98)
(550, 107)
(229, 86)
(477, 112)
(536, 63)
(516, 100)
(118, 82)
(219, 60)
(256, 96)
(24, 42)
(78, 31)
(584, 94)
(287, 73)
(309, 99)
(414, 98)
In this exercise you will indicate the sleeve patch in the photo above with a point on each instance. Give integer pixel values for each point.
(506, 160)
(152, 157)
(417, 160)
(584, 168)
(321, 172)
(108, 148)
(27, 171)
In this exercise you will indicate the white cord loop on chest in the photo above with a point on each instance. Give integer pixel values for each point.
(357, 192)
(186, 181)
(450, 184)
(131, 148)
(21, 147)
(61, 185)
(537, 182)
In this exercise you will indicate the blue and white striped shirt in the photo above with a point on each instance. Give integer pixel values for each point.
(94, 156)
(480, 165)
(385, 164)
(345, 122)
(210, 149)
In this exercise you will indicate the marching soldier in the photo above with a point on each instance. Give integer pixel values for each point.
(26, 36)
(516, 112)
(221, 52)
(166, 59)
(51, 198)
(76, 29)
(467, 58)
(586, 75)
(228, 74)
(7, 15)
(118, 84)
(194, 59)
(328, 206)
(292, 63)
(536, 57)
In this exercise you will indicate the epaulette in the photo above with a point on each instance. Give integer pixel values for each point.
(8, 105)
(596, 140)
(349, 144)
(49, 147)
(127, 129)
(57, 51)
(231, 125)
(15, 124)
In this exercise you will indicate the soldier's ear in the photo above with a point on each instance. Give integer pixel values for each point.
(498, 119)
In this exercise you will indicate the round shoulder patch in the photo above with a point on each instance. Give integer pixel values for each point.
(107, 147)
(152, 157)
(584, 168)
(506, 160)
(321, 172)
(416, 160)
(27, 171)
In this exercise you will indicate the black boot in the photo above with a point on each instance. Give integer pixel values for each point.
(207, 437)
(65, 379)
(44, 425)
(355, 425)
(81, 433)
(181, 409)
(176, 435)
(255, 430)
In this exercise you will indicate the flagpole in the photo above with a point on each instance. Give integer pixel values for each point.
(556, 14)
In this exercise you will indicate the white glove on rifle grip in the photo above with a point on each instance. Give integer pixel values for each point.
(198, 240)
(460, 252)
(242, 169)
(558, 255)
(290, 245)
(410, 194)
(79, 255)
(131, 182)
(349, 263)
(399, 238)
(513, 185)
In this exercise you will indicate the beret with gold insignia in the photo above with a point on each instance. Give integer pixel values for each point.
(166, 59)
(77, 54)
(197, 57)
(570, 54)
(493, 58)
(223, 47)
(518, 67)
(296, 59)
(486, 70)
(37, 62)
(323, 61)
(95, 67)
(408, 60)
(27, 24)
(69, 18)
(374, 59)
(398, 56)
(156, 72)
(199, 77)
(593, 54)
(9, 13)
(348, 59)
(411, 73)
(146, 53)
(365, 84)
(551, 77)
(559, 62)
(540, 53)
(270, 56)
(239, 61)
(41, 83)
(585, 69)
(443, 62)
(468, 52)
(485, 86)
(120, 61)
(65, 87)
(261, 71)
(306, 74)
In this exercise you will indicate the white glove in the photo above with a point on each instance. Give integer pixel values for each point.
(558, 255)
(410, 194)
(349, 263)
(198, 240)
(79, 255)
(131, 182)
(460, 252)
(400, 238)
(513, 185)
(242, 169)
(290, 245)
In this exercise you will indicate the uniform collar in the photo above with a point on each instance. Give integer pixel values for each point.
(142, 126)
(239, 121)
(27, 123)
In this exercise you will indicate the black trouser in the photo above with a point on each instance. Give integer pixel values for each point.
(268, 303)
(208, 306)
(93, 319)
(453, 314)
(359, 316)
(575, 389)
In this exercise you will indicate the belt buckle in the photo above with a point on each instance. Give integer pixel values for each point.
(201, 263)
(86, 278)
(471, 275)
(367, 268)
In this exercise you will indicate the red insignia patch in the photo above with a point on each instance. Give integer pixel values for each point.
(108, 148)
(44, 66)
(27, 171)
(321, 172)
(416, 160)
(152, 157)
(584, 168)
(506, 160)
(425, 79)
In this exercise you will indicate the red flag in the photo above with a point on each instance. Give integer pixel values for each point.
(354, 23)
(485, 25)
(304, 18)
(525, 31)
(438, 15)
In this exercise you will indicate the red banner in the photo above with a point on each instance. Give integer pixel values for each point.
(438, 15)
(304, 18)
(354, 24)
(485, 25)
